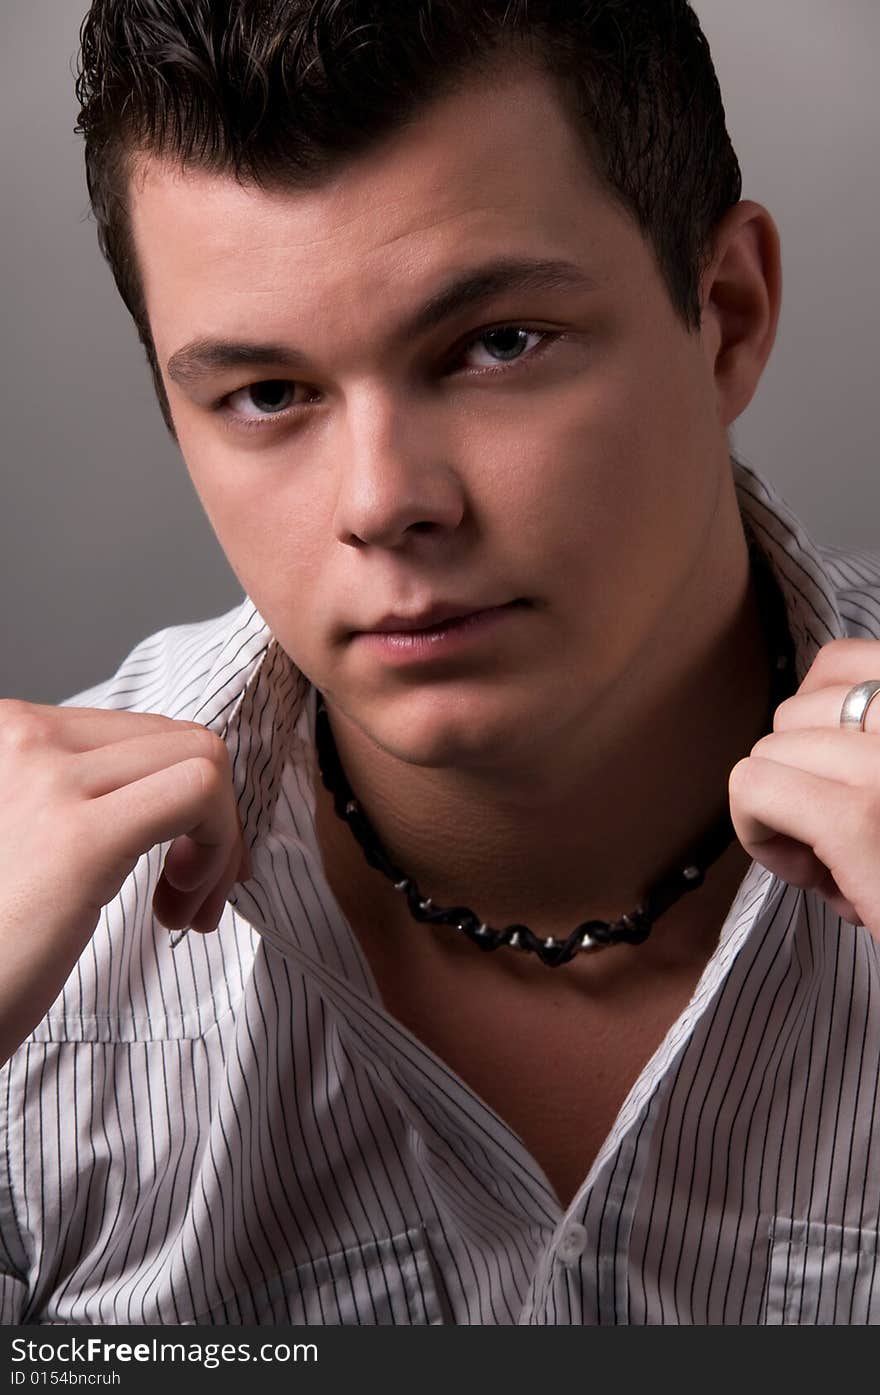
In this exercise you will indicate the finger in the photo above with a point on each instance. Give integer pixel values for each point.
(88, 728)
(807, 831)
(188, 864)
(192, 796)
(838, 823)
(795, 863)
(207, 915)
(96, 771)
(851, 758)
(822, 708)
(843, 661)
(201, 907)
(768, 798)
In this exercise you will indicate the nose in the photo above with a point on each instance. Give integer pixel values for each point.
(394, 479)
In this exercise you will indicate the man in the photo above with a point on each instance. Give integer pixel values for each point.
(450, 310)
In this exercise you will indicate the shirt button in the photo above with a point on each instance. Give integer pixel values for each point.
(572, 1243)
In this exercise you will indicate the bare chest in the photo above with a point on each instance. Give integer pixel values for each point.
(553, 1051)
(555, 1064)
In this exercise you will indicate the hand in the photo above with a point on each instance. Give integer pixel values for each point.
(806, 802)
(84, 793)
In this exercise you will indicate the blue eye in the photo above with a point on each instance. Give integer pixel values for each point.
(506, 344)
(267, 398)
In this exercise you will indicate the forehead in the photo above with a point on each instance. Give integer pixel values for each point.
(495, 166)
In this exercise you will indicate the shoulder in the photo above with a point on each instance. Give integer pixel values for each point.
(167, 671)
(855, 575)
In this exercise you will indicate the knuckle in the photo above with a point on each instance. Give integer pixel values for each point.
(197, 726)
(833, 650)
(870, 809)
(817, 668)
(211, 747)
(829, 656)
(9, 707)
(781, 715)
(22, 726)
(739, 774)
(858, 814)
(205, 778)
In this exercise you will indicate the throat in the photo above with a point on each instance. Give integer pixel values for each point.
(405, 954)
(554, 1052)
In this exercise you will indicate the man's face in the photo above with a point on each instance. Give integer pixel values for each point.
(557, 445)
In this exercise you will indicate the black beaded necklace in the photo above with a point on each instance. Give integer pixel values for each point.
(632, 928)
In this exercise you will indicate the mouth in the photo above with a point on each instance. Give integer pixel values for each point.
(436, 633)
(433, 618)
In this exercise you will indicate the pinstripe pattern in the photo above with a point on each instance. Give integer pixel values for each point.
(238, 1132)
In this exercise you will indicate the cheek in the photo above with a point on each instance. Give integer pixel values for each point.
(644, 444)
(560, 485)
(273, 536)
(598, 494)
(277, 549)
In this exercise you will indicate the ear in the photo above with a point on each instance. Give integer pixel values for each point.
(741, 296)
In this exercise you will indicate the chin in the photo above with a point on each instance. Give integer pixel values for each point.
(449, 730)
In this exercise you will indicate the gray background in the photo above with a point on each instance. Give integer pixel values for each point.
(102, 538)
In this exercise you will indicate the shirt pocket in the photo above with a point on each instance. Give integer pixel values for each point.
(821, 1275)
(380, 1283)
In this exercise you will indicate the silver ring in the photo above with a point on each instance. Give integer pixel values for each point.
(856, 704)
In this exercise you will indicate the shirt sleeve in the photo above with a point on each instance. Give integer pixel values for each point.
(13, 1298)
(14, 1289)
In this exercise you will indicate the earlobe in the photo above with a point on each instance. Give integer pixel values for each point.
(741, 299)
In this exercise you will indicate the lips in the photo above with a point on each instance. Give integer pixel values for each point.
(427, 619)
(407, 642)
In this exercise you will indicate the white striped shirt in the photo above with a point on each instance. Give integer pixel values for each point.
(238, 1132)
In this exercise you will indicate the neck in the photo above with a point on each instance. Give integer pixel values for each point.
(594, 816)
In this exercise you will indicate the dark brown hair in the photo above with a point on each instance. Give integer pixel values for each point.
(285, 91)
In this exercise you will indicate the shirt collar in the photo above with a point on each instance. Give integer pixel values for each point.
(255, 694)
(811, 605)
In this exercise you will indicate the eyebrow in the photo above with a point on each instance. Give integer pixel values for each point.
(200, 359)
